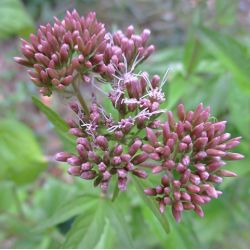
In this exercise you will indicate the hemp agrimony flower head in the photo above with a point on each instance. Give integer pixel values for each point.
(67, 49)
(135, 137)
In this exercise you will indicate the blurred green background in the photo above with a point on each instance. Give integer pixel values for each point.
(206, 46)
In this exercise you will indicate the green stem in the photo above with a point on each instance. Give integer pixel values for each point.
(116, 191)
(18, 203)
(80, 98)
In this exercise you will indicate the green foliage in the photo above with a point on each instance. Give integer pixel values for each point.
(230, 53)
(21, 157)
(68, 210)
(59, 124)
(152, 205)
(14, 20)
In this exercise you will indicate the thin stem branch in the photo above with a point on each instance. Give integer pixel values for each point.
(116, 191)
(18, 203)
(80, 98)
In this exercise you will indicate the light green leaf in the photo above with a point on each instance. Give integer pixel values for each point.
(87, 228)
(60, 125)
(69, 209)
(191, 54)
(152, 205)
(107, 238)
(119, 223)
(21, 157)
(14, 20)
(230, 53)
(239, 110)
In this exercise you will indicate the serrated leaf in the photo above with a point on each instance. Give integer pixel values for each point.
(230, 53)
(60, 125)
(14, 20)
(88, 227)
(152, 205)
(21, 157)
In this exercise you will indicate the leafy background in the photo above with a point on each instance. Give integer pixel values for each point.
(206, 47)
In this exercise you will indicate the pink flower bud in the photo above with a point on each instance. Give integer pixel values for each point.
(165, 180)
(150, 191)
(233, 156)
(193, 188)
(76, 132)
(188, 206)
(62, 156)
(102, 167)
(226, 173)
(86, 166)
(148, 148)
(199, 211)
(74, 171)
(102, 142)
(140, 173)
(156, 169)
(122, 184)
(74, 160)
(151, 136)
(134, 147)
(88, 175)
(176, 214)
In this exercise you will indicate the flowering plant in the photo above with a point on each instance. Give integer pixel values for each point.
(139, 137)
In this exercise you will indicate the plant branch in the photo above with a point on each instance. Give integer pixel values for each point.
(80, 98)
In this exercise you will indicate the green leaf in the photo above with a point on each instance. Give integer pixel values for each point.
(14, 20)
(176, 88)
(60, 125)
(191, 54)
(239, 107)
(119, 223)
(21, 157)
(107, 238)
(69, 209)
(152, 205)
(87, 228)
(230, 53)
(7, 200)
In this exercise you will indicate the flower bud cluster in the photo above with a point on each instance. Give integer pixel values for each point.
(133, 93)
(190, 155)
(78, 46)
(99, 158)
(187, 155)
(125, 50)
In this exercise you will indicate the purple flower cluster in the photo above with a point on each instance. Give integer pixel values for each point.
(58, 53)
(191, 153)
(125, 50)
(98, 156)
(187, 155)
(77, 46)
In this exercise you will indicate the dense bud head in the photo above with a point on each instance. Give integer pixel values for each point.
(50, 49)
(197, 152)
